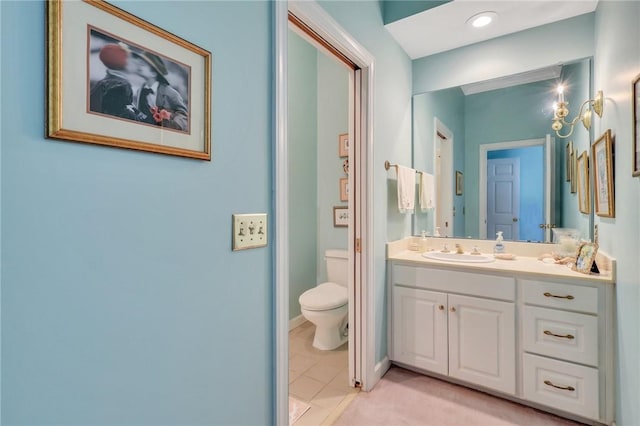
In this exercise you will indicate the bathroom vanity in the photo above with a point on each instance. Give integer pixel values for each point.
(532, 332)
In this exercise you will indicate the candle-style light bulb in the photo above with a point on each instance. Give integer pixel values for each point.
(560, 93)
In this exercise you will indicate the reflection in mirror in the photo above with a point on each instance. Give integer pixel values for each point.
(517, 171)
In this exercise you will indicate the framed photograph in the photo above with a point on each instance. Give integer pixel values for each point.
(584, 202)
(459, 182)
(636, 125)
(602, 166)
(567, 152)
(114, 79)
(340, 216)
(574, 171)
(344, 189)
(343, 145)
(585, 257)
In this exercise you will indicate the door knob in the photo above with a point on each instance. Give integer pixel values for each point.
(515, 219)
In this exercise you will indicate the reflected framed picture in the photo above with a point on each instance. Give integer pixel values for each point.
(574, 171)
(114, 79)
(585, 257)
(344, 189)
(343, 145)
(635, 98)
(602, 166)
(340, 216)
(567, 153)
(584, 203)
(459, 182)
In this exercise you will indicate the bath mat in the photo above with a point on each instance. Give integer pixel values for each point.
(296, 409)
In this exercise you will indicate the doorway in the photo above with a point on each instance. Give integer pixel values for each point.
(361, 337)
(516, 192)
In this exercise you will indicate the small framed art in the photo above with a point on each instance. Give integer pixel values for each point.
(459, 182)
(584, 204)
(344, 189)
(343, 145)
(585, 257)
(574, 171)
(340, 216)
(602, 166)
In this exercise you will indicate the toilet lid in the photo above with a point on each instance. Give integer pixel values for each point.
(324, 297)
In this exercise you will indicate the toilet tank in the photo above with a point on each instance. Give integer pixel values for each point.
(337, 266)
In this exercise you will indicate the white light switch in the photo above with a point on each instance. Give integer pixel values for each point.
(249, 231)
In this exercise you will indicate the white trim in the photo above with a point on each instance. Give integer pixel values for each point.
(281, 199)
(447, 179)
(296, 322)
(482, 181)
(323, 24)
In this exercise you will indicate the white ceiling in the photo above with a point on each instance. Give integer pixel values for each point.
(444, 27)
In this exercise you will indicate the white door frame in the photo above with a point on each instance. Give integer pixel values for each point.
(549, 192)
(362, 263)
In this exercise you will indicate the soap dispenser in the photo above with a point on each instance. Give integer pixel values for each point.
(424, 243)
(499, 247)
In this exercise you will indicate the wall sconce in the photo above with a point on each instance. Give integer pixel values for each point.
(561, 111)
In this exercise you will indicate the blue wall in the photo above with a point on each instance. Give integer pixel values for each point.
(448, 106)
(122, 302)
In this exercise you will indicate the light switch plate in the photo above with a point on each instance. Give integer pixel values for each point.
(249, 231)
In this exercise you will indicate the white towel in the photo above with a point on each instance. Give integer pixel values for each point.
(427, 191)
(406, 189)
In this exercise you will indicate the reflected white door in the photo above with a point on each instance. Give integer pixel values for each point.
(503, 197)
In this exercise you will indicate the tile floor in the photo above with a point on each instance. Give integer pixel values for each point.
(319, 378)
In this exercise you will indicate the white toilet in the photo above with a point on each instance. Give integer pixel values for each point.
(326, 305)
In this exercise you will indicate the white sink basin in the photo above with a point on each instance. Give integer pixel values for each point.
(454, 257)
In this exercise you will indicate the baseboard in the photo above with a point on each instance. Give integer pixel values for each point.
(295, 322)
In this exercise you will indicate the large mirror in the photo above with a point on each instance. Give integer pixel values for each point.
(497, 165)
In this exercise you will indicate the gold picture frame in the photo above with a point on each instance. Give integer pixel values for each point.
(584, 200)
(344, 189)
(574, 171)
(585, 257)
(98, 80)
(603, 179)
(343, 145)
(567, 152)
(635, 99)
(459, 182)
(340, 216)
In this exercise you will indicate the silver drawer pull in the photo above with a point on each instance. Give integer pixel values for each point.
(566, 336)
(568, 297)
(567, 388)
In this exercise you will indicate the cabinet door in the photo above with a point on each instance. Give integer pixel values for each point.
(482, 346)
(420, 328)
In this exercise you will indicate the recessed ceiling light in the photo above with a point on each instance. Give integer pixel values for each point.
(482, 19)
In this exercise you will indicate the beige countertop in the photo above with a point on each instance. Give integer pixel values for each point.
(526, 263)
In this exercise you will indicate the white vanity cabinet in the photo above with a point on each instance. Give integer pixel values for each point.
(545, 341)
(458, 334)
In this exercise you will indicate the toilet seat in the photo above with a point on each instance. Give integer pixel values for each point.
(324, 297)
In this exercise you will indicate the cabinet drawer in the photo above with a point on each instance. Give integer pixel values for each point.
(565, 335)
(489, 286)
(562, 385)
(561, 296)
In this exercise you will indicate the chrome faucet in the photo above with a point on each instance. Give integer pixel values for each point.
(459, 249)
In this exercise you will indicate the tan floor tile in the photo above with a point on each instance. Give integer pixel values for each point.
(341, 379)
(314, 416)
(322, 372)
(302, 363)
(329, 398)
(305, 388)
(293, 375)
